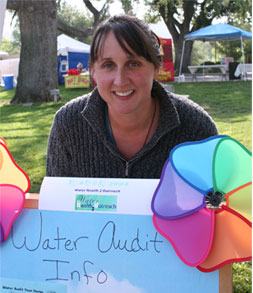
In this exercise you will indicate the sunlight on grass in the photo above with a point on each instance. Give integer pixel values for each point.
(229, 103)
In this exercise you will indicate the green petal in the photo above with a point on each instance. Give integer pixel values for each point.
(232, 166)
(240, 200)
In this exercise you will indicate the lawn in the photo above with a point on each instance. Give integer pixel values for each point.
(26, 128)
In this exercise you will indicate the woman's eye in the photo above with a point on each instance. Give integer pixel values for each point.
(134, 64)
(107, 65)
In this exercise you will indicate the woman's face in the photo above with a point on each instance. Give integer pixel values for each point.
(124, 81)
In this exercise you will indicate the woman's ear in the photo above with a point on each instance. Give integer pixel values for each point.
(92, 71)
(156, 72)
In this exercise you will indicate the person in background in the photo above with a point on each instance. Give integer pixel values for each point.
(127, 126)
(79, 67)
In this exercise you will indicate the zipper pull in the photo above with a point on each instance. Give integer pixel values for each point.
(126, 171)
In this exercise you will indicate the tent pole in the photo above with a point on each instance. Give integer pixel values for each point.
(243, 58)
(181, 61)
(215, 52)
(203, 71)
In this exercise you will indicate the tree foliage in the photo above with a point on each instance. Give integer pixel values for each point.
(13, 46)
(84, 32)
(233, 49)
(128, 6)
(74, 18)
(9, 47)
(185, 16)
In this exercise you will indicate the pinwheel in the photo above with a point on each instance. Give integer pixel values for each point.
(202, 203)
(14, 183)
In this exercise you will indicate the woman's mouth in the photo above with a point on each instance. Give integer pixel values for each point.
(124, 94)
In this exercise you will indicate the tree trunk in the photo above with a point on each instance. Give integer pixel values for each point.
(178, 55)
(178, 40)
(178, 31)
(38, 57)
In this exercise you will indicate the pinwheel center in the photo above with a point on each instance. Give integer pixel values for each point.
(214, 199)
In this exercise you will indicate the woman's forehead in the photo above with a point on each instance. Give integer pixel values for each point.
(109, 44)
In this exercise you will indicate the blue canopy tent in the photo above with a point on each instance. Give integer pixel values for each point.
(217, 32)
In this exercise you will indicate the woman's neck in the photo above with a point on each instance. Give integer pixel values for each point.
(131, 132)
(131, 122)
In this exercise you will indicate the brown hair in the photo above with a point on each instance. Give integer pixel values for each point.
(131, 31)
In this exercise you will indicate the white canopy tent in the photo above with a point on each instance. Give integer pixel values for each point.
(217, 32)
(67, 44)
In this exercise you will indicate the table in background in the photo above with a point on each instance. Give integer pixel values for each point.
(243, 69)
(222, 67)
(77, 81)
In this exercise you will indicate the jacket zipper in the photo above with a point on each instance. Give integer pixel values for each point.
(126, 170)
(127, 162)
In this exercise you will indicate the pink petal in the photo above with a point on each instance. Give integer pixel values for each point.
(12, 200)
(191, 236)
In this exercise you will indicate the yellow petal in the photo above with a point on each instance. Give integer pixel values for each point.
(10, 172)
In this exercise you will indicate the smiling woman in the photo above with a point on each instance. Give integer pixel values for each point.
(129, 123)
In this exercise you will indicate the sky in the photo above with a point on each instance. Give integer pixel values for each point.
(160, 28)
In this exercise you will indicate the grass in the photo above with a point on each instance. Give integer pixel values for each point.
(229, 103)
(26, 130)
(242, 277)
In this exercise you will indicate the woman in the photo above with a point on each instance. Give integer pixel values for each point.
(128, 125)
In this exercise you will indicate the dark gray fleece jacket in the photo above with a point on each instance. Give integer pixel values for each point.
(79, 144)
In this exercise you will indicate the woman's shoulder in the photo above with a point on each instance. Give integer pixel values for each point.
(182, 104)
(187, 107)
(75, 107)
(194, 117)
(75, 104)
(191, 116)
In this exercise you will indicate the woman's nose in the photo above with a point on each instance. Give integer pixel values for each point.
(121, 77)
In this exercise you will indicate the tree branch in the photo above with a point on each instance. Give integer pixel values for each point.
(188, 7)
(73, 32)
(170, 21)
(94, 11)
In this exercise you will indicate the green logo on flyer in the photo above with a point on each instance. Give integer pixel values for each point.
(97, 203)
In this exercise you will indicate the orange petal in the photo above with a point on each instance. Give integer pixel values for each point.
(240, 200)
(10, 172)
(231, 242)
(3, 141)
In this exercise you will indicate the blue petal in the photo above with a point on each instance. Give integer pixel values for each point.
(193, 161)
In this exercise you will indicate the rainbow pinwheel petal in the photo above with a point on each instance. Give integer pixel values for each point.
(231, 165)
(10, 172)
(196, 176)
(191, 236)
(240, 200)
(174, 197)
(12, 200)
(14, 183)
(232, 240)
